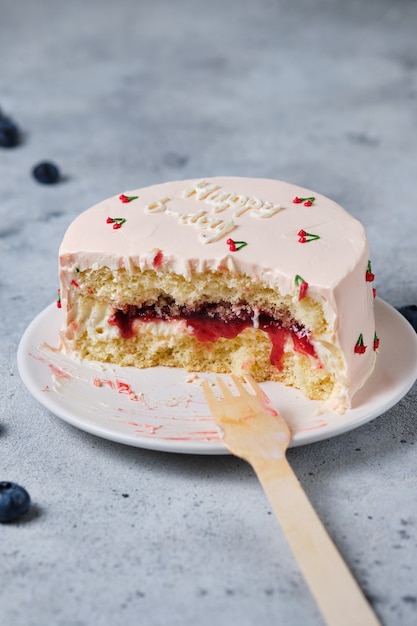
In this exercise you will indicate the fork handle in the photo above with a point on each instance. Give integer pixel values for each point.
(337, 594)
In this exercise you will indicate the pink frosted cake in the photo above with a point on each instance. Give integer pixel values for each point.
(240, 275)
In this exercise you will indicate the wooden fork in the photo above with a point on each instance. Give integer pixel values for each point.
(253, 430)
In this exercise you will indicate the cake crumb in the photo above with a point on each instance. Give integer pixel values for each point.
(193, 378)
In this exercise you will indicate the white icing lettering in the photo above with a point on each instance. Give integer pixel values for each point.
(236, 199)
(251, 203)
(214, 195)
(202, 189)
(191, 218)
(213, 234)
(219, 204)
(241, 210)
(268, 210)
(157, 207)
(212, 228)
(173, 212)
(254, 203)
(200, 184)
(203, 221)
(205, 192)
(221, 201)
(219, 207)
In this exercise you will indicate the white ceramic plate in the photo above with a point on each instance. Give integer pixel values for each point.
(164, 408)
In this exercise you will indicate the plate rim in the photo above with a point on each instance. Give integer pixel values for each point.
(205, 447)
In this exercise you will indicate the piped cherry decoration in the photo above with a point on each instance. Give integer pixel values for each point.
(304, 237)
(370, 276)
(116, 221)
(307, 201)
(302, 286)
(234, 246)
(125, 198)
(360, 347)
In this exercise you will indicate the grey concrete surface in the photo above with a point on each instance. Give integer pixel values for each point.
(124, 94)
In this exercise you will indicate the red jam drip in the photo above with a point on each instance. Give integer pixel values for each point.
(303, 345)
(277, 337)
(124, 323)
(210, 330)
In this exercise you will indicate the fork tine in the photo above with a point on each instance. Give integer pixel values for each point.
(240, 388)
(227, 394)
(255, 387)
(210, 396)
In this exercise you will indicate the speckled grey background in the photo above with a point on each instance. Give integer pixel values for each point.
(124, 94)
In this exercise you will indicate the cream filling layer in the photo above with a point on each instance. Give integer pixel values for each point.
(92, 317)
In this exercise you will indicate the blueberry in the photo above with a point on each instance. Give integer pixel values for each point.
(410, 313)
(9, 133)
(14, 501)
(46, 173)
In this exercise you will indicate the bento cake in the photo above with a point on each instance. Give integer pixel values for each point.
(225, 274)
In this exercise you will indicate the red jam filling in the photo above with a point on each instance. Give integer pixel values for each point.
(210, 329)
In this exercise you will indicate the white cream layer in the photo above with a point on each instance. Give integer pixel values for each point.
(93, 318)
